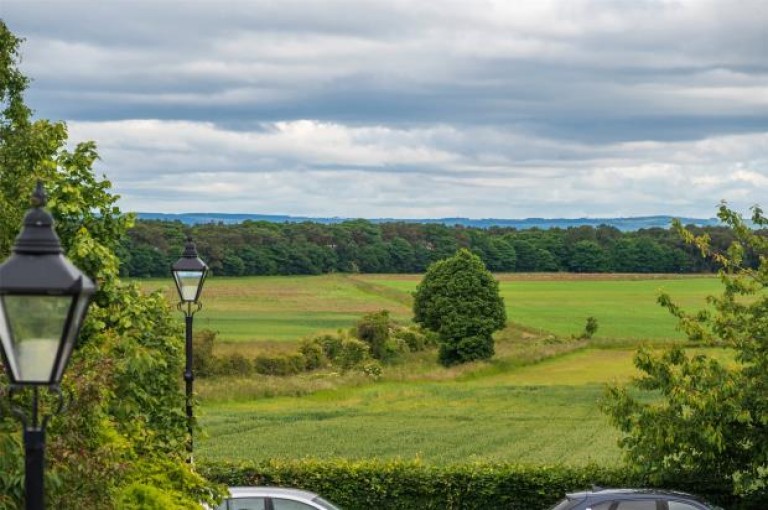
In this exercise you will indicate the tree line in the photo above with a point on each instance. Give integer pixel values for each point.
(266, 248)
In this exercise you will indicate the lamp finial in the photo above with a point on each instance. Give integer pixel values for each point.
(38, 196)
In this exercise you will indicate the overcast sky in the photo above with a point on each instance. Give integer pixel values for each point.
(412, 108)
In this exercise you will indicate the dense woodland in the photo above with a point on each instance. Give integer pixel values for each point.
(265, 248)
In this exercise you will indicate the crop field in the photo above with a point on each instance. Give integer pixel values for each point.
(536, 402)
(546, 413)
(500, 418)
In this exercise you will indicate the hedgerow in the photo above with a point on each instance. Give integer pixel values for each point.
(413, 485)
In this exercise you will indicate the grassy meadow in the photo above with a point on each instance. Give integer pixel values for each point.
(625, 305)
(288, 308)
(536, 402)
(283, 308)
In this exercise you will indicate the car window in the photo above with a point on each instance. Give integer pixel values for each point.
(289, 504)
(681, 505)
(567, 504)
(602, 506)
(246, 504)
(647, 504)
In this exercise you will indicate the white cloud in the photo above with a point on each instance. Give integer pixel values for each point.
(319, 168)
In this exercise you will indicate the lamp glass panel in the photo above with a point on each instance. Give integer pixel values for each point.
(7, 343)
(36, 324)
(71, 339)
(188, 283)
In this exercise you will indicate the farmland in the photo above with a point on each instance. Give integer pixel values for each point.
(287, 308)
(536, 402)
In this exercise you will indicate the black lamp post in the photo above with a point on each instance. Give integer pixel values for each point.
(43, 301)
(189, 273)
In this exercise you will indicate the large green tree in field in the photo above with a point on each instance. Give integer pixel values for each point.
(699, 415)
(121, 442)
(459, 300)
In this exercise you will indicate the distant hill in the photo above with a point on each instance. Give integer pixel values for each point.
(623, 224)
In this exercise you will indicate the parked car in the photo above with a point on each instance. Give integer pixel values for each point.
(632, 499)
(274, 498)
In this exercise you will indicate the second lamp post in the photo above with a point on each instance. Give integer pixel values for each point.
(189, 273)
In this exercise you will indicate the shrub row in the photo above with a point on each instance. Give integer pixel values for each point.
(361, 485)
(375, 338)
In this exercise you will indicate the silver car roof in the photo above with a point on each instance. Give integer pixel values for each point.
(277, 492)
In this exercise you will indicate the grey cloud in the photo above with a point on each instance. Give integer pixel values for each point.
(464, 108)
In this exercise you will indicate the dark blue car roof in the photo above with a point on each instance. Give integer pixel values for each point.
(600, 494)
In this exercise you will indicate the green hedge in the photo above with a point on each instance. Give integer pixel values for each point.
(362, 485)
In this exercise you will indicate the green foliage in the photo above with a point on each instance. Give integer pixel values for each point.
(387, 340)
(415, 339)
(590, 328)
(127, 416)
(359, 246)
(412, 485)
(459, 300)
(280, 364)
(588, 257)
(160, 487)
(234, 364)
(461, 350)
(204, 363)
(313, 354)
(353, 353)
(708, 417)
(332, 346)
(374, 329)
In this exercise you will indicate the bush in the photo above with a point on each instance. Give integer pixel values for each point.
(394, 349)
(203, 362)
(470, 348)
(332, 346)
(280, 364)
(374, 329)
(353, 353)
(234, 364)
(372, 369)
(387, 340)
(414, 341)
(590, 328)
(314, 356)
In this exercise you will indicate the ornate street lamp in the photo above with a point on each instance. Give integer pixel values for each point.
(189, 273)
(43, 301)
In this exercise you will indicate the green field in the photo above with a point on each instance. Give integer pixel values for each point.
(283, 308)
(625, 305)
(537, 402)
(288, 308)
(541, 413)
(438, 423)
